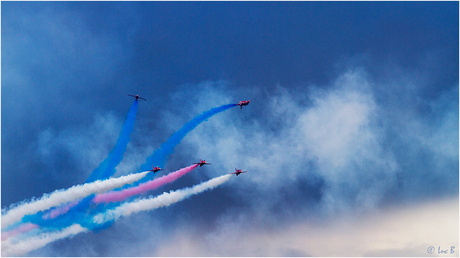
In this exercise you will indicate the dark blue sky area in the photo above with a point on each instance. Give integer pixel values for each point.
(261, 43)
(269, 43)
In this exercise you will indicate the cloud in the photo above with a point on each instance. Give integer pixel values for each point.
(331, 150)
(90, 144)
(396, 231)
(332, 137)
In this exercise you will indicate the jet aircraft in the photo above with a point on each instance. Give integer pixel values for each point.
(238, 171)
(136, 97)
(202, 162)
(156, 169)
(243, 103)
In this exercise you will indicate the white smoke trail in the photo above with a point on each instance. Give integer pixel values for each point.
(9, 248)
(65, 195)
(162, 200)
(15, 247)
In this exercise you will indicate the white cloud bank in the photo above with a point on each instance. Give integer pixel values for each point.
(335, 132)
(400, 231)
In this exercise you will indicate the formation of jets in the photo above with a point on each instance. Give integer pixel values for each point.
(243, 103)
(136, 97)
(202, 162)
(237, 171)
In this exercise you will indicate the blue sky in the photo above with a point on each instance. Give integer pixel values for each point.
(353, 116)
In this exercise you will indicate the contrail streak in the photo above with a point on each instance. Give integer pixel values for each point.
(117, 196)
(58, 197)
(107, 168)
(162, 200)
(9, 248)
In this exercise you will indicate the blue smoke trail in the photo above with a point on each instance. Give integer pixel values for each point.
(160, 156)
(107, 168)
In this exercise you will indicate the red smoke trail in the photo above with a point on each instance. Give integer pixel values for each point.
(60, 210)
(117, 196)
(21, 229)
